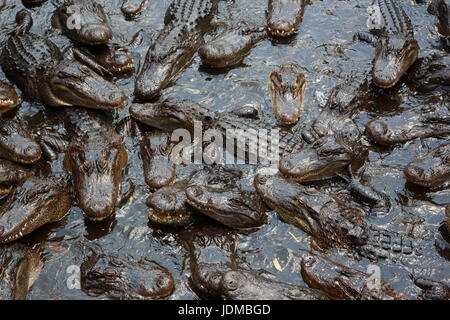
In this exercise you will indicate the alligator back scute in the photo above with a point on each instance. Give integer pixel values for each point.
(396, 21)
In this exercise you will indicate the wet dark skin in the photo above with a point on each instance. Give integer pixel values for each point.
(8, 97)
(287, 87)
(20, 266)
(11, 174)
(441, 9)
(112, 57)
(231, 206)
(33, 204)
(156, 148)
(206, 277)
(284, 17)
(119, 278)
(431, 170)
(44, 74)
(94, 28)
(433, 290)
(132, 8)
(230, 48)
(400, 127)
(16, 143)
(338, 281)
(431, 73)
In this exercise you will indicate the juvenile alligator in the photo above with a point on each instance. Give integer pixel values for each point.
(8, 97)
(16, 143)
(38, 67)
(287, 89)
(400, 127)
(342, 282)
(84, 21)
(95, 158)
(113, 58)
(431, 73)
(33, 203)
(20, 267)
(230, 48)
(331, 222)
(185, 24)
(174, 114)
(156, 148)
(395, 47)
(132, 8)
(231, 206)
(441, 9)
(431, 170)
(123, 279)
(11, 174)
(284, 16)
(324, 159)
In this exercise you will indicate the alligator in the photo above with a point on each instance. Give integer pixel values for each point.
(395, 47)
(433, 290)
(284, 17)
(331, 222)
(174, 114)
(431, 170)
(16, 143)
(324, 159)
(132, 8)
(287, 87)
(206, 277)
(8, 97)
(113, 58)
(20, 267)
(11, 174)
(230, 48)
(234, 207)
(431, 73)
(251, 285)
(400, 127)
(39, 68)
(118, 278)
(95, 158)
(32, 204)
(342, 282)
(168, 205)
(441, 9)
(185, 24)
(83, 21)
(156, 148)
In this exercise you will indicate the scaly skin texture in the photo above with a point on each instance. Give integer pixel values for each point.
(284, 16)
(186, 22)
(287, 89)
(37, 66)
(330, 221)
(431, 73)
(16, 144)
(8, 97)
(324, 159)
(395, 49)
(93, 27)
(401, 127)
(250, 285)
(174, 114)
(441, 9)
(233, 207)
(132, 8)
(206, 277)
(433, 290)
(95, 158)
(156, 149)
(230, 48)
(341, 282)
(11, 173)
(168, 206)
(32, 204)
(122, 279)
(19, 268)
(113, 58)
(431, 170)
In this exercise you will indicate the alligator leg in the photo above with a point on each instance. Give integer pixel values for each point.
(88, 61)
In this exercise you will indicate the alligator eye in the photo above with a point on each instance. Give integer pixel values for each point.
(103, 163)
(235, 201)
(262, 179)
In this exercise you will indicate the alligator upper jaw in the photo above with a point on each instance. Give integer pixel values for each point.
(8, 97)
(284, 17)
(19, 148)
(75, 84)
(393, 57)
(160, 116)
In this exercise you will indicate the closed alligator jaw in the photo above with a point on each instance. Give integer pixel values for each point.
(284, 17)
(8, 97)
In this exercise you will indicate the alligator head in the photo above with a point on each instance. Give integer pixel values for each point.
(73, 83)
(284, 17)
(324, 159)
(32, 204)
(232, 207)
(96, 172)
(287, 88)
(393, 57)
(92, 27)
(8, 97)
(16, 144)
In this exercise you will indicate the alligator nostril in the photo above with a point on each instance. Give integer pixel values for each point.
(413, 172)
(309, 261)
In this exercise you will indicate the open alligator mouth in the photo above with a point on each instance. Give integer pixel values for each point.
(282, 32)
(8, 97)
(284, 17)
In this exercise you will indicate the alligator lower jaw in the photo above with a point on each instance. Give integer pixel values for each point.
(168, 219)
(7, 104)
(281, 33)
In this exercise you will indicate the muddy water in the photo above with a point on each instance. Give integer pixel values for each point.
(325, 49)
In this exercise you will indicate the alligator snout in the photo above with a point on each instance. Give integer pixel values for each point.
(95, 34)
